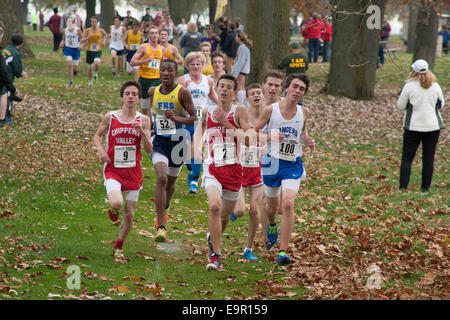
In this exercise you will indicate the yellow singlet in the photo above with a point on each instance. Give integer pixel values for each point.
(168, 53)
(133, 40)
(163, 102)
(208, 69)
(94, 41)
(151, 70)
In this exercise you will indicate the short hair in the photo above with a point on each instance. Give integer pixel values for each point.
(228, 77)
(300, 76)
(130, 84)
(116, 17)
(164, 30)
(135, 23)
(191, 56)
(274, 74)
(252, 86)
(205, 44)
(94, 17)
(17, 39)
(55, 10)
(216, 54)
(167, 60)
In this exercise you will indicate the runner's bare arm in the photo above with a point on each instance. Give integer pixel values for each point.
(105, 36)
(101, 131)
(143, 127)
(151, 93)
(212, 93)
(187, 103)
(136, 60)
(262, 121)
(198, 136)
(178, 59)
(305, 137)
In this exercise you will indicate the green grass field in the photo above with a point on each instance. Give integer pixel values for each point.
(350, 214)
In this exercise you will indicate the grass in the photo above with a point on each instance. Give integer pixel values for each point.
(53, 212)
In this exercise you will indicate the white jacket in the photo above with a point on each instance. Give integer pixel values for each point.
(422, 106)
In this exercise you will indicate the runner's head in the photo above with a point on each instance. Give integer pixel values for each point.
(130, 93)
(94, 21)
(17, 39)
(218, 61)
(272, 84)
(163, 35)
(194, 62)
(205, 48)
(296, 86)
(116, 21)
(226, 88)
(153, 34)
(168, 71)
(254, 94)
(135, 26)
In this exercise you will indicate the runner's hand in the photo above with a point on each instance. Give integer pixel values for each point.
(309, 142)
(150, 59)
(169, 115)
(103, 156)
(276, 136)
(137, 126)
(219, 116)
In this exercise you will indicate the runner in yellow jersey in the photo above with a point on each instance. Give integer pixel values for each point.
(131, 41)
(172, 107)
(169, 50)
(148, 57)
(95, 38)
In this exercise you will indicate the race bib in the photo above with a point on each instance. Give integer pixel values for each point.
(94, 47)
(250, 157)
(224, 154)
(125, 156)
(154, 64)
(72, 43)
(133, 46)
(199, 112)
(164, 125)
(285, 150)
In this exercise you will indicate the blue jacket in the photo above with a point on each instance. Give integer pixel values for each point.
(446, 36)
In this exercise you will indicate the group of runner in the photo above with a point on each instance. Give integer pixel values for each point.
(256, 147)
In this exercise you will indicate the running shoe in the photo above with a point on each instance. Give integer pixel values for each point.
(248, 254)
(113, 71)
(210, 247)
(193, 188)
(189, 179)
(272, 233)
(91, 83)
(233, 217)
(215, 263)
(75, 73)
(283, 258)
(269, 245)
(166, 217)
(95, 76)
(161, 235)
(118, 254)
(113, 216)
(70, 83)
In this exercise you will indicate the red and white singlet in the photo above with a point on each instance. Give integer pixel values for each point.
(251, 163)
(123, 145)
(223, 150)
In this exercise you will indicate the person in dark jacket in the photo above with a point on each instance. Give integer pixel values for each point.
(230, 46)
(5, 86)
(54, 24)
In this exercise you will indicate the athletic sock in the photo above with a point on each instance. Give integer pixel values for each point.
(196, 169)
(118, 244)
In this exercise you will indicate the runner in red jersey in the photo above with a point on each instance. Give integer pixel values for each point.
(251, 171)
(124, 129)
(222, 172)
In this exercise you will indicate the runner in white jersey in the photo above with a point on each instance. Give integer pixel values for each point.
(116, 46)
(71, 45)
(201, 89)
(282, 166)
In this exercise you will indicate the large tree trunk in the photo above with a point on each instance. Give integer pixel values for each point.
(412, 22)
(107, 13)
(25, 11)
(212, 4)
(90, 11)
(270, 40)
(181, 9)
(354, 51)
(426, 31)
(11, 22)
(239, 9)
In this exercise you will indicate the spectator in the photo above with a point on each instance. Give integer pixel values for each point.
(241, 67)
(167, 24)
(211, 37)
(326, 37)
(28, 22)
(157, 19)
(5, 85)
(223, 27)
(422, 99)
(71, 10)
(41, 21)
(191, 39)
(34, 21)
(315, 27)
(239, 26)
(230, 46)
(147, 18)
(445, 37)
(130, 19)
(205, 48)
(294, 62)
(54, 24)
(182, 27)
(385, 32)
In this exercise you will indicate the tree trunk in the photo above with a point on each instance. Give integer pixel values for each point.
(412, 22)
(239, 9)
(212, 10)
(426, 31)
(11, 22)
(354, 51)
(266, 36)
(24, 11)
(90, 11)
(107, 13)
(181, 9)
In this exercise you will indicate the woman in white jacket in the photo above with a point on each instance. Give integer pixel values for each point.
(422, 99)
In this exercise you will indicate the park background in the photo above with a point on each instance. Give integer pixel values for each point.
(356, 235)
